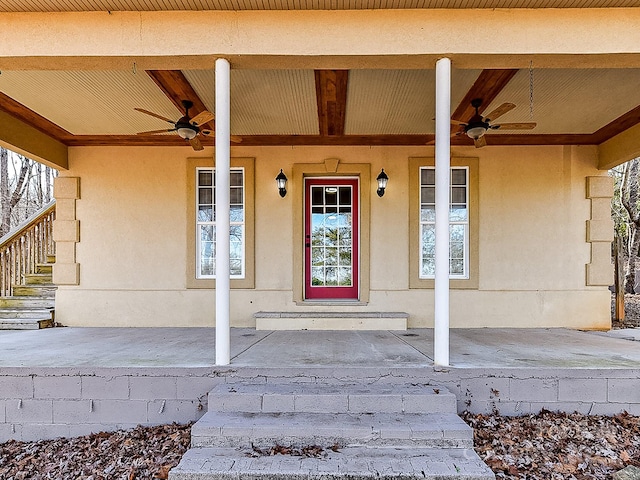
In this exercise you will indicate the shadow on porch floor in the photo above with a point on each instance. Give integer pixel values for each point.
(194, 347)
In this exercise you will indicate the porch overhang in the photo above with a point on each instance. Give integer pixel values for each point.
(322, 40)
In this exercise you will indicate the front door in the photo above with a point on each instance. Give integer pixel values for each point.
(331, 238)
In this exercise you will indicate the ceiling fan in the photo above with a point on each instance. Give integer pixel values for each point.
(187, 127)
(478, 125)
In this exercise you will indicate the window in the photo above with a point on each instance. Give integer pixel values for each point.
(206, 223)
(463, 220)
(458, 222)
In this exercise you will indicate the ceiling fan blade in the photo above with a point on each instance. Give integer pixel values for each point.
(211, 133)
(202, 118)
(498, 112)
(152, 132)
(142, 110)
(516, 126)
(457, 122)
(480, 142)
(196, 144)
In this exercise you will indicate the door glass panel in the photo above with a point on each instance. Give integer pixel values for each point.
(331, 233)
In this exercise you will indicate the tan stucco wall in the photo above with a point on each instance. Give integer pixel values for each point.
(532, 236)
(323, 39)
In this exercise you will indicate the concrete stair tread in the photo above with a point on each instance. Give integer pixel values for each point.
(308, 388)
(349, 463)
(342, 398)
(233, 428)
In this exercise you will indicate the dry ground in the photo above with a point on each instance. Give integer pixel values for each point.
(547, 446)
(631, 310)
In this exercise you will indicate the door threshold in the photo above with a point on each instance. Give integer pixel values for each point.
(331, 303)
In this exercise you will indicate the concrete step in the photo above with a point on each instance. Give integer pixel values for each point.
(38, 279)
(26, 312)
(25, 323)
(43, 291)
(346, 463)
(331, 320)
(32, 302)
(341, 398)
(218, 429)
(44, 268)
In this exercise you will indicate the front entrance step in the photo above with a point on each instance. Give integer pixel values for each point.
(282, 397)
(25, 323)
(44, 291)
(331, 320)
(217, 429)
(347, 463)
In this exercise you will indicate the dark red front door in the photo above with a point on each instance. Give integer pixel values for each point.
(331, 238)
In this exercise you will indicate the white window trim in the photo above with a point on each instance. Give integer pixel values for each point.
(465, 223)
(473, 281)
(199, 223)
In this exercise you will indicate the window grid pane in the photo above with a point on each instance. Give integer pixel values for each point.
(458, 223)
(206, 223)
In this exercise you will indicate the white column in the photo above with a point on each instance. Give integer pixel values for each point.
(223, 164)
(443, 172)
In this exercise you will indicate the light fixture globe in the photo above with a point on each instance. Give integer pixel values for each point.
(382, 179)
(187, 132)
(281, 182)
(475, 132)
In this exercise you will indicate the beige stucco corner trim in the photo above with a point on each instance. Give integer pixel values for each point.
(600, 231)
(248, 164)
(66, 187)
(623, 147)
(66, 273)
(30, 142)
(331, 167)
(66, 231)
(414, 223)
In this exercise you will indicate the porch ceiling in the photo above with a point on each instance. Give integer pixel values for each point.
(154, 5)
(298, 107)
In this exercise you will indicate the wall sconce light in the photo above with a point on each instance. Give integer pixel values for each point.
(382, 183)
(281, 181)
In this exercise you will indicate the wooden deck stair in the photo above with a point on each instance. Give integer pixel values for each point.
(32, 304)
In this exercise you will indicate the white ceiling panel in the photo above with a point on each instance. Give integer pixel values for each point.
(570, 101)
(91, 102)
(281, 102)
(398, 101)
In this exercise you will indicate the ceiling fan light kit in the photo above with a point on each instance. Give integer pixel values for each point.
(186, 131)
(476, 127)
(186, 127)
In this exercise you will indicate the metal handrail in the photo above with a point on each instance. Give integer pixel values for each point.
(22, 249)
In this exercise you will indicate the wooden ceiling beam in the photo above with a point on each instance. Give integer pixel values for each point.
(31, 118)
(486, 87)
(177, 88)
(346, 140)
(619, 125)
(331, 95)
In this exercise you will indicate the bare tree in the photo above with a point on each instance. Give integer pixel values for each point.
(10, 196)
(22, 192)
(629, 198)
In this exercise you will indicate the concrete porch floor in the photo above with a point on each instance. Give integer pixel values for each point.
(195, 347)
